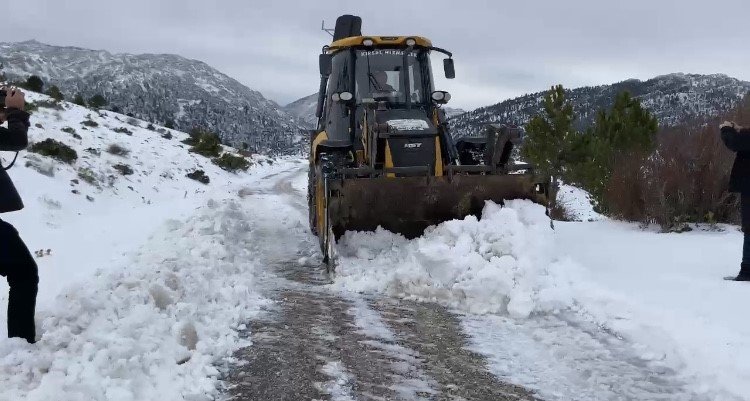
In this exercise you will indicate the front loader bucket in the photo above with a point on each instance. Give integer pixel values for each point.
(408, 205)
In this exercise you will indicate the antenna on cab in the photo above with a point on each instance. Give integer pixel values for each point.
(327, 30)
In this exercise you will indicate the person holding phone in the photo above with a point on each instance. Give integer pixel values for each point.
(737, 139)
(16, 262)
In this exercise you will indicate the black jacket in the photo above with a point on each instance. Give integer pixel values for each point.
(13, 138)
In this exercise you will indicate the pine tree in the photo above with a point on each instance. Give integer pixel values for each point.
(79, 100)
(627, 129)
(549, 136)
(97, 102)
(34, 83)
(169, 124)
(55, 93)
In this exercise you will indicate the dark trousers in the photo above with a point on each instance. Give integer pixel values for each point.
(19, 267)
(745, 216)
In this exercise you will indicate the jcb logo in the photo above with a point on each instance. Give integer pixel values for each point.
(412, 145)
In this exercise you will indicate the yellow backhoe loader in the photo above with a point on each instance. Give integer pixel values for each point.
(382, 153)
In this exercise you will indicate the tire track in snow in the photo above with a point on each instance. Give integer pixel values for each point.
(318, 344)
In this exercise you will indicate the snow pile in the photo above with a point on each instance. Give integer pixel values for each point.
(504, 262)
(153, 329)
(577, 204)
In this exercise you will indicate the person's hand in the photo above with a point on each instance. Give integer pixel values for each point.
(15, 99)
(729, 126)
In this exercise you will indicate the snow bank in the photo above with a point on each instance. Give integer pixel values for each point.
(577, 203)
(108, 213)
(648, 303)
(665, 293)
(152, 329)
(504, 262)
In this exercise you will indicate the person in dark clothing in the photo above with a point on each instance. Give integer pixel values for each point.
(737, 139)
(16, 262)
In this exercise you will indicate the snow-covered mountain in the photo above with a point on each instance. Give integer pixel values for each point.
(673, 98)
(451, 112)
(304, 109)
(159, 88)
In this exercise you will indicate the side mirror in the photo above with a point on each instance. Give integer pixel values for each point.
(325, 61)
(450, 70)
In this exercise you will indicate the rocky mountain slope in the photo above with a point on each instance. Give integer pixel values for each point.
(673, 98)
(160, 88)
(304, 109)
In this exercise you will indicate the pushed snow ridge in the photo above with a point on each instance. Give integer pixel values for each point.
(504, 262)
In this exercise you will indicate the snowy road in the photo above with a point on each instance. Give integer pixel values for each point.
(321, 345)
(318, 341)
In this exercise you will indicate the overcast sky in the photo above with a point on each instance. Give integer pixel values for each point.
(502, 49)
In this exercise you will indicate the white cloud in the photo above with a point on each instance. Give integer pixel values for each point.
(501, 48)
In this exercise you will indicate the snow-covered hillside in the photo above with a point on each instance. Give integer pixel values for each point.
(160, 88)
(129, 294)
(305, 109)
(672, 98)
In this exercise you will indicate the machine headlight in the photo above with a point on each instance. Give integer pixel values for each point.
(440, 97)
(411, 42)
(346, 96)
(342, 97)
(368, 42)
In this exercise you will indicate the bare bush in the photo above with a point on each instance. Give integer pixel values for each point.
(685, 180)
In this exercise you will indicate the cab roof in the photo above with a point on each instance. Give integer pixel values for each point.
(379, 41)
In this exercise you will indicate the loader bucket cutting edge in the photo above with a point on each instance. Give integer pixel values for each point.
(408, 205)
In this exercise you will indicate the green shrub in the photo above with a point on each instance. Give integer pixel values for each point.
(55, 93)
(206, 144)
(124, 169)
(167, 135)
(90, 123)
(194, 137)
(79, 100)
(117, 150)
(87, 175)
(232, 163)
(68, 130)
(97, 102)
(151, 127)
(31, 107)
(199, 175)
(122, 130)
(55, 149)
(50, 104)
